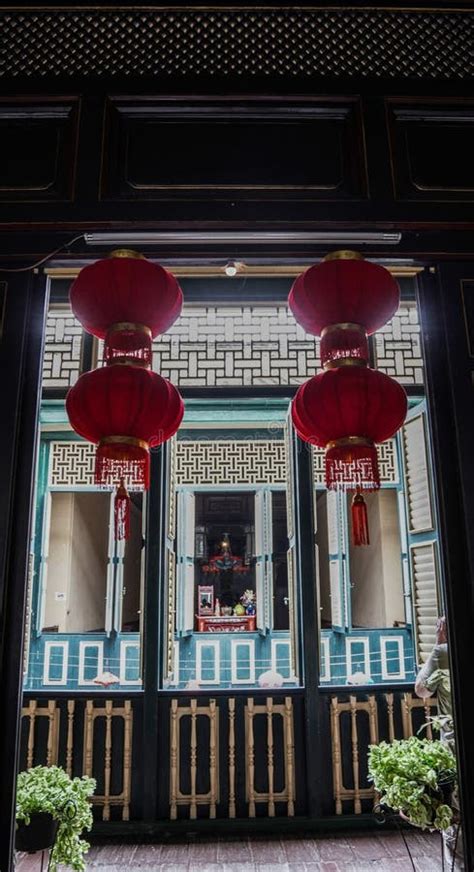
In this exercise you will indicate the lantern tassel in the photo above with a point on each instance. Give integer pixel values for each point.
(124, 458)
(122, 512)
(360, 522)
(351, 463)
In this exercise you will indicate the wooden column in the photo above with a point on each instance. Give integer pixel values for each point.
(308, 600)
(21, 354)
(155, 584)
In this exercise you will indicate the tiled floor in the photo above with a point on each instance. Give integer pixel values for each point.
(337, 852)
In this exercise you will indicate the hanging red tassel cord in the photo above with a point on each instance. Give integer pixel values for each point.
(122, 513)
(360, 523)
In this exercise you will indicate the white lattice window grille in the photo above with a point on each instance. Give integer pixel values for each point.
(64, 344)
(397, 346)
(231, 462)
(220, 346)
(387, 457)
(248, 345)
(71, 464)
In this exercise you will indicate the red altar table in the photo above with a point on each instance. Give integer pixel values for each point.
(224, 624)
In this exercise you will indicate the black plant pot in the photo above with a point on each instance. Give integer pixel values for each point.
(38, 835)
(446, 788)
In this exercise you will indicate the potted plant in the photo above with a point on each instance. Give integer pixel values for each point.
(414, 777)
(53, 809)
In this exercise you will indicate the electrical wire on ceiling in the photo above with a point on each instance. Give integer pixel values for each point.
(38, 263)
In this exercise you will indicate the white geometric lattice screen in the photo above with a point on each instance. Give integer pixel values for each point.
(388, 464)
(397, 346)
(64, 343)
(212, 463)
(237, 346)
(231, 462)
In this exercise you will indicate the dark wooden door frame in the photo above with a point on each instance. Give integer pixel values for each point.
(451, 421)
(21, 357)
(449, 383)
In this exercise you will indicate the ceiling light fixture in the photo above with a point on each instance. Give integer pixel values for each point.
(256, 237)
(232, 268)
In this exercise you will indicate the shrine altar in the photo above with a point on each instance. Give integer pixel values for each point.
(224, 624)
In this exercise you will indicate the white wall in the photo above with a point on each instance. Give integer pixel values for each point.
(391, 558)
(375, 570)
(89, 547)
(77, 564)
(58, 568)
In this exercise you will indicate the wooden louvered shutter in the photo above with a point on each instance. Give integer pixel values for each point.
(422, 531)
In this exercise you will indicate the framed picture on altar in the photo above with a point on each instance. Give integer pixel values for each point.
(205, 599)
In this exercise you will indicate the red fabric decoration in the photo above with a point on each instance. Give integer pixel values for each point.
(128, 343)
(126, 291)
(125, 410)
(360, 524)
(339, 341)
(344, 290)
(352, 461)
(347, 410)
(122, 512)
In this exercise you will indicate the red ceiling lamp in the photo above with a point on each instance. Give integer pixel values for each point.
(127, 301)
(343, 299)
(348, 408)
(124, 408)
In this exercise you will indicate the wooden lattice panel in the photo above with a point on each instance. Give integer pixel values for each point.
(253, 42)
(235, 346)
(398, 346)
(97, 747)
(215, 462)
(270, 710)
(213, 346)
(357, 708)
(231, 462)
(409, 704)
(211, 753)
(64, 344)
(71, 464)
(108, 711)
(33, 711)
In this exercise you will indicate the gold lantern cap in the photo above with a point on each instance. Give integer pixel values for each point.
(344, 254)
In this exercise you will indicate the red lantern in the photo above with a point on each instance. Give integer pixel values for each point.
(126, 300)
(347, 410)
(125, 410)
(342, 299)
